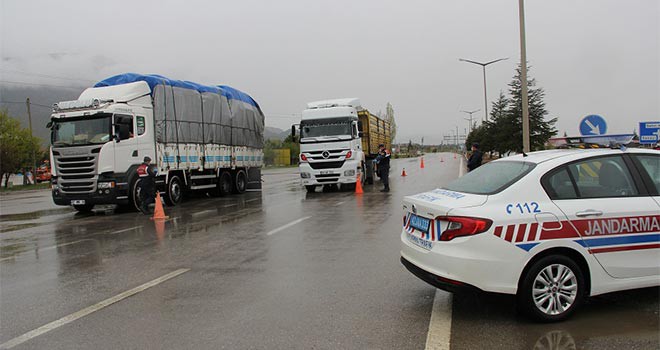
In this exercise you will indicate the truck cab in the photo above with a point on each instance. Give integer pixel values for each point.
(96, 143)
(331, 151)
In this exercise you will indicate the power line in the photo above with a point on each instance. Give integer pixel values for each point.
(35, 84)
(32, 103)
(47, 76)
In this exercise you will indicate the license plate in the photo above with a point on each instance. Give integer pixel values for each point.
(326, 172)
(420, 223)
(420, 242)
(78, 202)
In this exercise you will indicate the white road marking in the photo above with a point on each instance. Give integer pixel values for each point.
(252, 200)
(124, 230)
(205, 212)
(461, 168)
(88, 310)
(65, 244)
(439, 335)
(292, 223)
(339, 203)
(229, 205)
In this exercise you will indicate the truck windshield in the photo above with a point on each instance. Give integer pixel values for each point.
(491, 178)
(79, 131)
(320, 128)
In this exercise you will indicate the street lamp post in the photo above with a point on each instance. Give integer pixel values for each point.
(523, 78)
(483, 66)
(470, 119)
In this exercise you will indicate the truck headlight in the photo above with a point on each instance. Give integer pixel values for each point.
(305, 175)
(104, 185)
(349, 173)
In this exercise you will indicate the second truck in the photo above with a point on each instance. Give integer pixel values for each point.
(338, 143)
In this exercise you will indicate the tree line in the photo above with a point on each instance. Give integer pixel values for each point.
(18, 149)
(502, 133)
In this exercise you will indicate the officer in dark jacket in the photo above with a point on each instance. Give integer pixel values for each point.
(147, 185)
(383, 161)
(475, 158)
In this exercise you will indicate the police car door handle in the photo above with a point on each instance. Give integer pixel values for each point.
(589, 212)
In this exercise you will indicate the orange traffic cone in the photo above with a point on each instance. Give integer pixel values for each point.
(159, 213)
(403, 173)
(160, 229)
(358, 185)
(421, 165)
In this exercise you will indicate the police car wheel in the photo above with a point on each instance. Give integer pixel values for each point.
(552, 289)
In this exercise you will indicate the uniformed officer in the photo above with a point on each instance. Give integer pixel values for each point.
(147, 186)
(383, 161)
(475, 158)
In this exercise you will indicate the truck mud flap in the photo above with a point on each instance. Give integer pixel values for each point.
(254, 179)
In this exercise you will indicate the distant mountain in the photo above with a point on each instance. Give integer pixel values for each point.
(271, 133)
(13, 98)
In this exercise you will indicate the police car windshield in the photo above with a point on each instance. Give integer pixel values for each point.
(491, 178)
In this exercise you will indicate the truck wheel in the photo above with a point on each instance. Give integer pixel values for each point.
(310, 188)
(241, 182)
(552, 289)
(224, 184)
(135, 198)
(85, 208)
(174, 193)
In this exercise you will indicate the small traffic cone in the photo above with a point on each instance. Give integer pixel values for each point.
(403, 173)
(421, 164)
(160, 229)
(358, 185)
(159, 213)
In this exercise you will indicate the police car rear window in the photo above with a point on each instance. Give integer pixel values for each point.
(491, 178)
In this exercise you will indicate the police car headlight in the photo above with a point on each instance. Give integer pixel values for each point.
(349, 173)
(104, 185)
(305, 175)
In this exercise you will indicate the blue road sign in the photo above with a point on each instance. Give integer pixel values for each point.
(649, 132)
(593, 125)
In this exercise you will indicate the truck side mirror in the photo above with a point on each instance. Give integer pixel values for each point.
(116, 137)
(360, 126)
(360, 134)
(49, 125)
(293, 131)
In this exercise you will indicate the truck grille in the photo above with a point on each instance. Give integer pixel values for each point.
(326, 165)
(76, 174)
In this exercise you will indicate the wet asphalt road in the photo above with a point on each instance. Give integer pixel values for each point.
(277, 269)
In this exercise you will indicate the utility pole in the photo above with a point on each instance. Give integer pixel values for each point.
(483, 66)
(523, 78)
(34, 156)
(470, 119)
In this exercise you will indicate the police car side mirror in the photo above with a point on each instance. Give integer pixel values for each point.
(49, 125)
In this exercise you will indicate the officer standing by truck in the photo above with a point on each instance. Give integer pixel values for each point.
(147, 186)
(383, 161)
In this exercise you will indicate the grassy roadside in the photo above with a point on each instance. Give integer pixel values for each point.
(41, 186)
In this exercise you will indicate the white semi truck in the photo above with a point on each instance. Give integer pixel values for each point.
(339, 140)
(206, 138)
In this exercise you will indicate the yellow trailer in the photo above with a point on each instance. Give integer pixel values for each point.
(373, 131)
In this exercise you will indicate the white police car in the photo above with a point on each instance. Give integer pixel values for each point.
(551, 227)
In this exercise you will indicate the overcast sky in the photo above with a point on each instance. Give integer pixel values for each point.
(590, 56)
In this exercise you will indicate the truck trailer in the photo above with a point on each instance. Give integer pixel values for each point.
(200, 138)
(338, 142)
